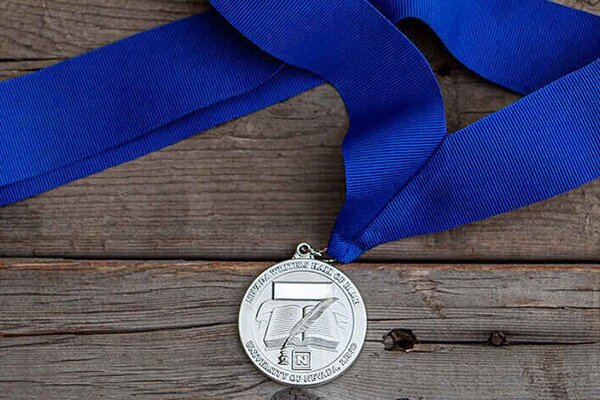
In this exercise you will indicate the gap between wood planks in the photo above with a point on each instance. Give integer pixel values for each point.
(419, 345)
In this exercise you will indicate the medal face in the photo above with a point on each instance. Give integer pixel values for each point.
(302, 322)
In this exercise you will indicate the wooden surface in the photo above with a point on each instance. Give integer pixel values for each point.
(249, 190)
(167, 330)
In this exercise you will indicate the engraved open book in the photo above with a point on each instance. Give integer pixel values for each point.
(302, 314)
(322, 333)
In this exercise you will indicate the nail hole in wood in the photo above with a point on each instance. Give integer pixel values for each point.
(399, 340)
(295, 394)
(497, 338)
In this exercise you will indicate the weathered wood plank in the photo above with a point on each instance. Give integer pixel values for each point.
(199, 363)
(544, 302)
(166, 330)
(63, 28)
(253, 187)
(34, 29)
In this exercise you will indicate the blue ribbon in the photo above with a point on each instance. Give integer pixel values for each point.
(405, 174)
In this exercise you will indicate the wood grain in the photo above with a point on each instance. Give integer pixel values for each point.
(167, 330)
(251, 188)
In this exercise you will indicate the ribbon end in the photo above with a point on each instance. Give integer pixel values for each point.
(342, 250)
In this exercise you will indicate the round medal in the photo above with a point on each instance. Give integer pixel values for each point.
(302, 321)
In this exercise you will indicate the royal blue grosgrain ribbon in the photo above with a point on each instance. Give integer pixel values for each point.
(405, 175)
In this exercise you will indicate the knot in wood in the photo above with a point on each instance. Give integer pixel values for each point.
(399, 340)
(497, 338)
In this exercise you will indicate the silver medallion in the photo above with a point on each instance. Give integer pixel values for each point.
(302, 321)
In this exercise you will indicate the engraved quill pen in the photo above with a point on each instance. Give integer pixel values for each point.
(307, 321)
